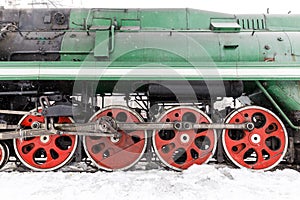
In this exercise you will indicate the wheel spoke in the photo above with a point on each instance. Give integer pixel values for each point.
(260, 157)
(242, 152)
(98, 148)
(54, 152)
(29, 151)
(198, 156)
(113, 160)
(25, 142)
(271, 126)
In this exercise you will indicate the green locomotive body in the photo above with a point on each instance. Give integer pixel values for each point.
(134, 81)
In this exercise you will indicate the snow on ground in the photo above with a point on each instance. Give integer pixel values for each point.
(198, 182)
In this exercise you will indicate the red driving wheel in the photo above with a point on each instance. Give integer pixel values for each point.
(4, 154)
(109, 153)
(181, 149)
(45, 153)
(261, 148)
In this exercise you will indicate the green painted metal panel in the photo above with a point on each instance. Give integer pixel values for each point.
(248, 47)
(200, 19)
(77, 17)
(130, 25)
(116, 15)
(101, 48)
(131, 22)
(167, 19)
(295, 43)
(100, 24)
(182, 19)
(191, 46)
(203, 47)
(99, 17)
(238, 47)
(283, 22)
(76, 46)
(274, 46)
(229, 47)
(285, 93)
(150, 47)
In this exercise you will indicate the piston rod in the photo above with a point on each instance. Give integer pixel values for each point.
(182, 126)
(104, 128)
(27, 133)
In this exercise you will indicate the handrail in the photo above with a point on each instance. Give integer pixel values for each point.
(112, 39)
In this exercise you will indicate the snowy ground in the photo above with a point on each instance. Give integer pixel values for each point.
(198, 182)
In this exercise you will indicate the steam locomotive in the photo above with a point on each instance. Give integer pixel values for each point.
(177, 86)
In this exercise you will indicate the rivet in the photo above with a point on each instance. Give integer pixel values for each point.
(280, 39)
(267, 47)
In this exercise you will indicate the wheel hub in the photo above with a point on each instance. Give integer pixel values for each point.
(255, 139)
(184, 138)
(114, 139)
(45, 139)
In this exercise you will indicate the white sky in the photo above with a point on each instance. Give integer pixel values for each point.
(227, 6)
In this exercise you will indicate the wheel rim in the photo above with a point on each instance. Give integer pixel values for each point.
(260, 149)
(109, 153)
(4, 154)
(179, 150)
(45, 153)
